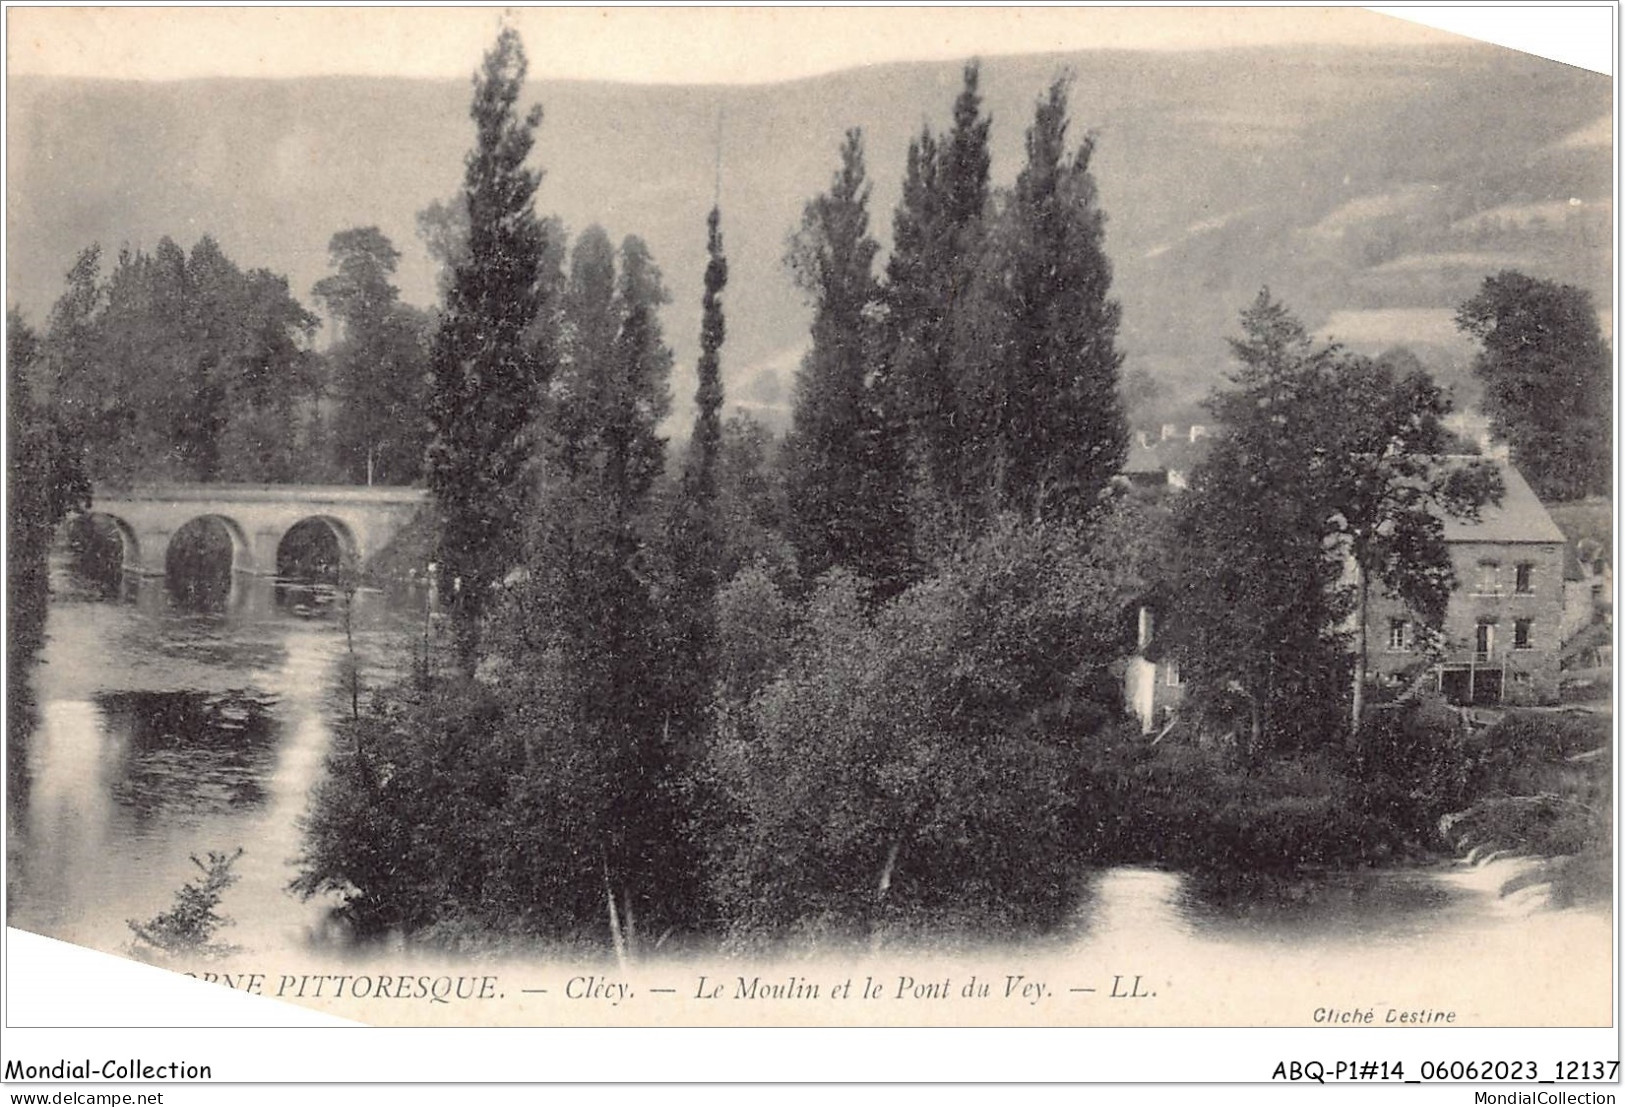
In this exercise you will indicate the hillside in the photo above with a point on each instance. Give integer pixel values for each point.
(1372, 190)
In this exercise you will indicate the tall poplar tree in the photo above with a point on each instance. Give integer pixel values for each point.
(588, 640)
(707, 440)
(696, 531)
(488, 374)
(843, 508)
(938, 234)
(1059, 430)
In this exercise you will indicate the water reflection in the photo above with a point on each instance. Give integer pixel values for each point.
(309, 599)
(97, 551)
(1381, 904)
(189, 753)
(1135, 905)
(200, 565)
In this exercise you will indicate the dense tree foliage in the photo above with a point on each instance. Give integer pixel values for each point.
(945, 720)
(379, 365)
(443, 229)
(409, 826)
(1059, 429)
(980, 377)
(184, 367)
(1323, 485)
(751, 501)
(45, 481)
(587, 635)
(1547, 376)
(932, 275)
(558, 771)
(488, 372)
(845, 509)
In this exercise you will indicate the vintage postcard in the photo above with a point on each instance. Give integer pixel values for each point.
(778, 517)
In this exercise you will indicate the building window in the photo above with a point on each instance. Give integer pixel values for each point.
(1487, 583)
(1399, 635)
(1526, 578)
(1523, 634)
(1484, 640)
(1170, 673)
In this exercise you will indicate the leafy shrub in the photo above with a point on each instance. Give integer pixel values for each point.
(917, 762)
(1536, 690)
(1413, 765)
(1199, 810)
(1545, 824)
(1542, 784)
(404, 825)
(188, 928)
(455, 811)
(1542, 735)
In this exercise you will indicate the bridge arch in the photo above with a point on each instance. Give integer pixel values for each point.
(126, 535)
(197, 530)
(316, 546)
(103, 548)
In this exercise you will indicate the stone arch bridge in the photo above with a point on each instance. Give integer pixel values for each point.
(257, 516)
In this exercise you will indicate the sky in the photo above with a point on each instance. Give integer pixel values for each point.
(701, 45)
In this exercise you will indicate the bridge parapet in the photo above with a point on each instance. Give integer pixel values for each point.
(265, 493)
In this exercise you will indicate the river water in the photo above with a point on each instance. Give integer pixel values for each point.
(164, 734)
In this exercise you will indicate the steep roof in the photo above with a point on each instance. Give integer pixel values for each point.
(1589, 521)
(1521, 517)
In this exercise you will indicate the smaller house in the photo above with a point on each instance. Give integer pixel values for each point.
(1588, 564)
(1165, 462)
(1152, 690)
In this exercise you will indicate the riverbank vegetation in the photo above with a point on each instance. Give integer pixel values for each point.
(45, 483)
(1541, 784)
(866, 683)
